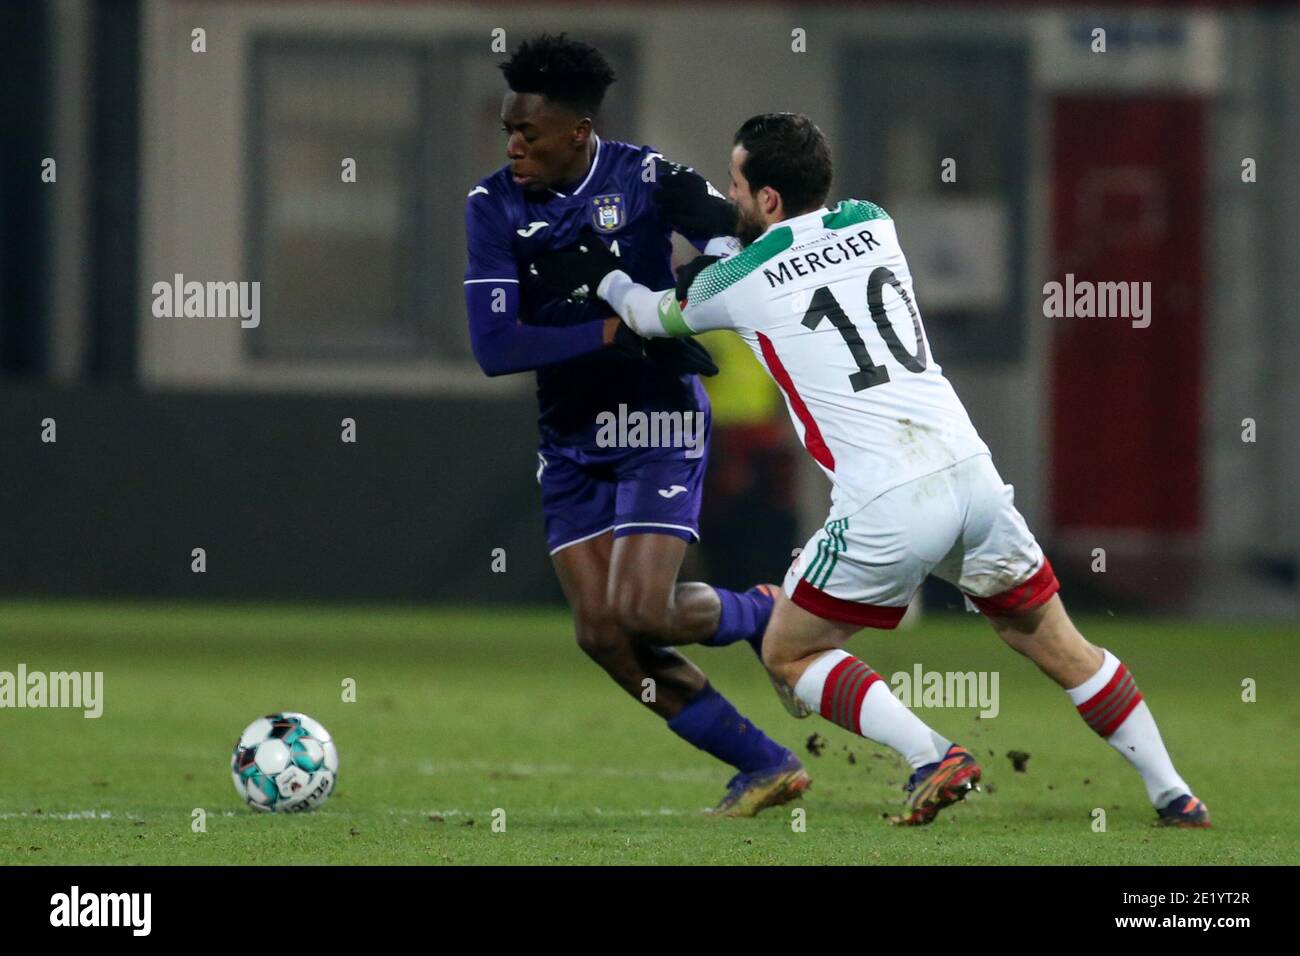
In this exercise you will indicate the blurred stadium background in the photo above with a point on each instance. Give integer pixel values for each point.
(224, 165)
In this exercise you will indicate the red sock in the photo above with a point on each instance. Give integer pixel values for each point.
(1109, 707)
(847, 692)
(845, 688)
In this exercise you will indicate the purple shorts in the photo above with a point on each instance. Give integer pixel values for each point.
(586, 492)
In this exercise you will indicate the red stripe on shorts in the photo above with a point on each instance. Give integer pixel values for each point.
(832, 608)
(1032, 593)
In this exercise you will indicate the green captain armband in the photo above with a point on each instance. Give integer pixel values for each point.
(670, 316)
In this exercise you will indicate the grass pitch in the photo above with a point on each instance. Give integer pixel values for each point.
(462, 713)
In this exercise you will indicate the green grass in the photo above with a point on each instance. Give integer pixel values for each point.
(459, 713)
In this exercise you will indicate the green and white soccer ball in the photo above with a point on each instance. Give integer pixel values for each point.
(285, 763)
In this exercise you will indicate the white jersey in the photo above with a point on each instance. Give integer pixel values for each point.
(825, 301)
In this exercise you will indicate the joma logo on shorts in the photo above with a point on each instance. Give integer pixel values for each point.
(639, 429)
(922, 688)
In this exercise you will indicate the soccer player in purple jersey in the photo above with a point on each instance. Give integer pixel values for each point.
(619, 514)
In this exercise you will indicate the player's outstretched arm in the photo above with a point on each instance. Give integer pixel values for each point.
(684, 310)
(587, 269)
(501, 344)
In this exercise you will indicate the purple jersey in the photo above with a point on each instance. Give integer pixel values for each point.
(512, 328)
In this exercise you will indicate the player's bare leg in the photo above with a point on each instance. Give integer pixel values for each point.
(1107, 697)
(652, 606)
(665, 681)
(646, 598)
(1048, 637)
(584, 573)
(806, 653)
(795, 639)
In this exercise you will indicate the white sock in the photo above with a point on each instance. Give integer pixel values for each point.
(1111, 704)
(847, 692)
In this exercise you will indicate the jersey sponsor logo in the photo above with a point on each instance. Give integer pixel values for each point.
(673, 491)
(532, 228)
(607, 212)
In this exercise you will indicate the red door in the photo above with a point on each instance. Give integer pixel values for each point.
(1128, 205)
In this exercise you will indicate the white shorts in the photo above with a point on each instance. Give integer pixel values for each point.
(959, 524)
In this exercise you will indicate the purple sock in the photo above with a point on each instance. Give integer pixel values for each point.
(744, 618)
(709, 722)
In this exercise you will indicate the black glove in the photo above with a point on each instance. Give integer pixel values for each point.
(687, 273)
(681, 356)
(686, 204)
(684, 356)
(628, 342)
(575, 271)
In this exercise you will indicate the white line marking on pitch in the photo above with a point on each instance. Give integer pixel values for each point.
(431, 768)
(555, 812)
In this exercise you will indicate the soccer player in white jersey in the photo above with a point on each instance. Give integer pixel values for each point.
(824, 297)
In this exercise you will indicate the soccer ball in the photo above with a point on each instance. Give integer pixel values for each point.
(285, 762)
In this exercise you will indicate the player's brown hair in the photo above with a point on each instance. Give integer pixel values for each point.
(787, 152)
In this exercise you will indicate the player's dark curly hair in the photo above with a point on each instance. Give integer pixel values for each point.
(562, 70)
(790, 154)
